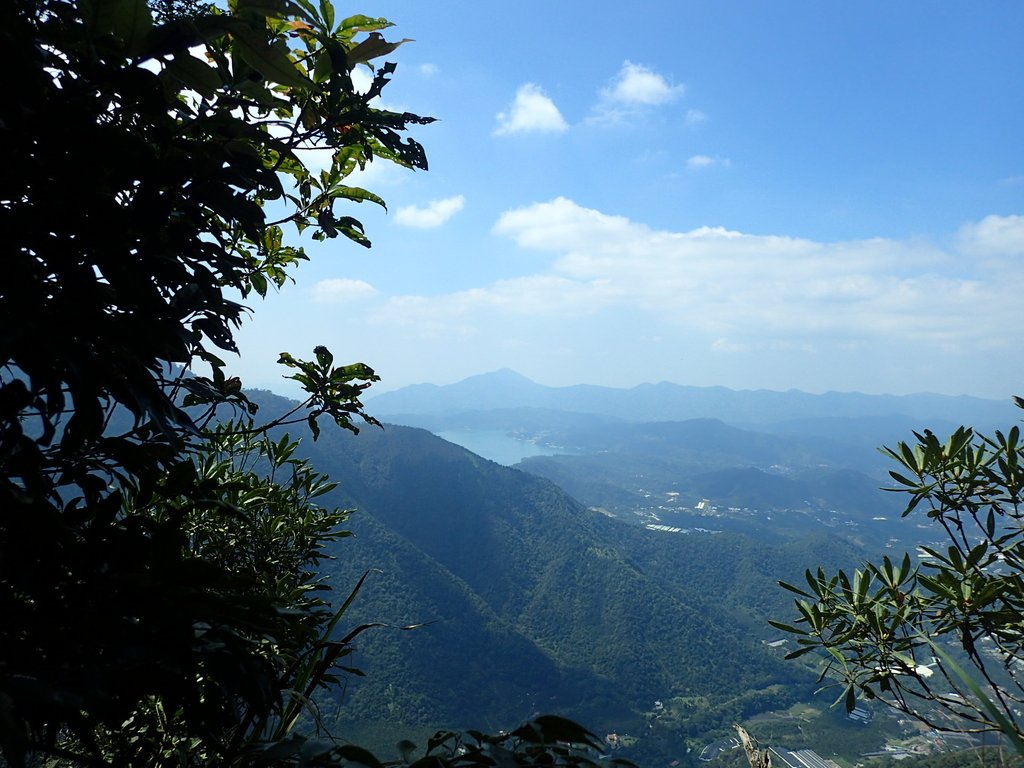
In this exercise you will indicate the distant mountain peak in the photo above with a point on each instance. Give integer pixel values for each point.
(500, 376)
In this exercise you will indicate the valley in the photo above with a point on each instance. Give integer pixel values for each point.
(641, 567)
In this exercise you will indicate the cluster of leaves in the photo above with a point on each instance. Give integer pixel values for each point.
(144, 151)
(905, 632)
(245, 513)
(547, 740)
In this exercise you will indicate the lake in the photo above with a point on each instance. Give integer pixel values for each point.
(497, 445)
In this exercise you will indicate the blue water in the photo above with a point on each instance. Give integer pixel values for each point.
(497, 445)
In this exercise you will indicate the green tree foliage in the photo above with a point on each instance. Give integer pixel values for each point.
(144, 158)
(249, 522)
(942, 638)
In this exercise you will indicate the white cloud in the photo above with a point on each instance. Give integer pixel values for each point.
(733, 284)
(994, 236)
(637, 85)
(433, 214)
(618, 302)
(706, 161)
(560, 224)
(634, 90)
(695, 117)
(428, 69)
(340, 290)
(532, 111)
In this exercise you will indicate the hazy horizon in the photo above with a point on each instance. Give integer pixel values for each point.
(378, 389)
(289, 389)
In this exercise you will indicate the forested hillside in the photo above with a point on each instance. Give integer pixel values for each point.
(532, 602)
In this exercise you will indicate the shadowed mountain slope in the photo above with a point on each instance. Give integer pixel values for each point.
(534, 603)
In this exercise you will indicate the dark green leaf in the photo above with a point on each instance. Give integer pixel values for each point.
(266, 59)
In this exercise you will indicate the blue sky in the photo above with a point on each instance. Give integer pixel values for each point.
(819, 196)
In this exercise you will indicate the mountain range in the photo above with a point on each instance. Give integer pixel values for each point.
(778, 454)
(791, 411)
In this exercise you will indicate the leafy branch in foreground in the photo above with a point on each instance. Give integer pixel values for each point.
(143, 152)
(547, 740)
(904, 632)
(252, 535)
